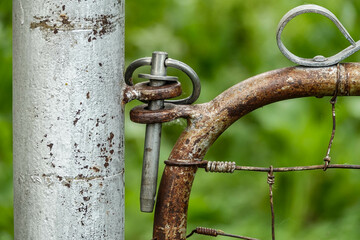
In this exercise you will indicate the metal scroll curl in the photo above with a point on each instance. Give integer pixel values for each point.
(317, 61)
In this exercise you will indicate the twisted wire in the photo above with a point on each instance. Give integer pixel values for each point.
(271, 177)
(206, 231)
(215, 233)
(217, 166)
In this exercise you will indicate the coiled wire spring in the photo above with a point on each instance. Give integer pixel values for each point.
(223, 167)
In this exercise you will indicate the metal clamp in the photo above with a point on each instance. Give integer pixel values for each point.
(158, 79)
(169, 62)
(317, 61)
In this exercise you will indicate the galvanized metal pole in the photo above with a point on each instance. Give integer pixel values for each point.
(68, 119)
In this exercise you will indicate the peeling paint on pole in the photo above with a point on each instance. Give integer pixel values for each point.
(68, 119)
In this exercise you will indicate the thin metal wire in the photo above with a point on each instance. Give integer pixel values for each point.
(215, 233)
(333, 100)
(203, 164)
(271, 181)
(293, 169)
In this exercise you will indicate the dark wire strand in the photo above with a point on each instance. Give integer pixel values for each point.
(203, 164)
(295, 169)
(333, 100)
(271, 181)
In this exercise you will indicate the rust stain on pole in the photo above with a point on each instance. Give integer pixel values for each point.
(207, 121)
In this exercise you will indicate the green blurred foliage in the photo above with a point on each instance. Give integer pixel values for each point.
(6, 192)
(227, 42)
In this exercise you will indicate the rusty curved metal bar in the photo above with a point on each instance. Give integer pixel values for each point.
(207, 121)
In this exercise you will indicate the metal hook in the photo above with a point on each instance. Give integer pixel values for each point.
(317, 61)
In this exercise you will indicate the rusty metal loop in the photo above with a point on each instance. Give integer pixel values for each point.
(170, 112)
(150, 93)
(317, 61)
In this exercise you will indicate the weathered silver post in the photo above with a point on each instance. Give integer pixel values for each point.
(68, 59)
(152, 139)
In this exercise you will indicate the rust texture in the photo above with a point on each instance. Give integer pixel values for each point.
(99, 26)
(141, 114)
(207, 121)
(166, 91)
(170, 222)
(144, 92)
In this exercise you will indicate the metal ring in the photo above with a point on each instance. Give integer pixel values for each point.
(141, 114)
(193, 77)
(169, 63)
(317, 61)
(133, 66)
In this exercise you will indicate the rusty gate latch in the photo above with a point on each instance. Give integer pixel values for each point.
(158, 110)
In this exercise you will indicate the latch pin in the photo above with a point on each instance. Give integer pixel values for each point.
(159, 88)
(152, 138)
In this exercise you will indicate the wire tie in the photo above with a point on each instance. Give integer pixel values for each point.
(271, 181)
(271, 177)
(215, 233)
(326, 162)
(223, 167)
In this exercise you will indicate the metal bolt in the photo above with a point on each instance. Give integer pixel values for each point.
(152, 140)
